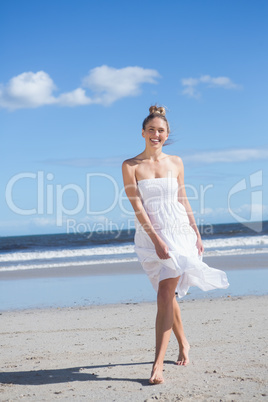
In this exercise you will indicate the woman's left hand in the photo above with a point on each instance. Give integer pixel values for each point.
(199, 246)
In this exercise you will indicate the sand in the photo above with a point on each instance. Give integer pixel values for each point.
(105, 353)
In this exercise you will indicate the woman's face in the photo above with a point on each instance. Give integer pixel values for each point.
(155, 132)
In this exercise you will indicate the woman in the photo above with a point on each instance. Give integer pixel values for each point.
(167, 240)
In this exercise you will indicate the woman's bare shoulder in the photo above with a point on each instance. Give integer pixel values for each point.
(132, 161)
(129, 162)
(129, 168)
(176, 160)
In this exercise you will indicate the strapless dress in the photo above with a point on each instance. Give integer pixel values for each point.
(170, 220)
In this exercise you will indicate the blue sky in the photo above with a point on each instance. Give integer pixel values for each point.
(76, 81)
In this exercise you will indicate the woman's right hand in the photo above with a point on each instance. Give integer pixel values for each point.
(161, 249)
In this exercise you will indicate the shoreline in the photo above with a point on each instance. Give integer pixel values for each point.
(118, 283)
(225, 263)
(106, 353)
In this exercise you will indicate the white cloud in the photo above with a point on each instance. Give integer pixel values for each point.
(249, 210)
(22, 226)
(27, 90)
(206, 157)
(107, 84)
(253, 209)
(247, 214)
(43, 221)
(214, 212)
(74, 98)
(110, 84)
(227, 156)
(191, 84)
(87, 162)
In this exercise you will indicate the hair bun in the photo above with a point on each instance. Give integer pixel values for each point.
(157, 110)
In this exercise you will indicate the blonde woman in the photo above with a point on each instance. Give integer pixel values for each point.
(167, 241)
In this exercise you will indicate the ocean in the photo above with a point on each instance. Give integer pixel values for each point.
(67, 250)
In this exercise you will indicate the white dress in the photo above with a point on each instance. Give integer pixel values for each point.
(170, 220)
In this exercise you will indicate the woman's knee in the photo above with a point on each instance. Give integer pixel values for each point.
(166, 292)
(164, 298)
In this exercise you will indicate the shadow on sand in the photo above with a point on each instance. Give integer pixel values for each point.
(41, 377)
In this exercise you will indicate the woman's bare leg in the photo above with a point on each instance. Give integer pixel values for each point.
(178, 330)
(163, 326)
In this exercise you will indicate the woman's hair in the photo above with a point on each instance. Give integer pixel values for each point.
(156, 111)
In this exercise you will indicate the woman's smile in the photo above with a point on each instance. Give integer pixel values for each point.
(155, 140)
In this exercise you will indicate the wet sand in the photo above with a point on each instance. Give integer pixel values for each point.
(231, 262)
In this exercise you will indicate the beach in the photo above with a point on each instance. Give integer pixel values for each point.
(78, 324)
(105, 353)
(119, 282)
(238, 262)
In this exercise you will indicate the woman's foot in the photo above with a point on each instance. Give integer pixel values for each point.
(183, 358)
(157, 375)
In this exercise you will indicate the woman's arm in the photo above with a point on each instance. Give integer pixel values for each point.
(182, 197)
(133, 195)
